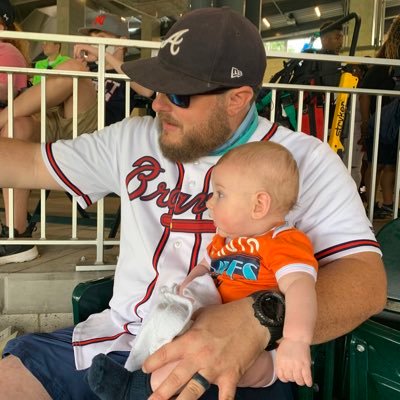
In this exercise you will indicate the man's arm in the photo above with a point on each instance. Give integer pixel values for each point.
(225, 340)
(22, 166)
(344, 293)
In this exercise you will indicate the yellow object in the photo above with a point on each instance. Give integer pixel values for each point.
(347, 80)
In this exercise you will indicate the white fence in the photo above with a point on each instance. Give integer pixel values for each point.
(99, 242)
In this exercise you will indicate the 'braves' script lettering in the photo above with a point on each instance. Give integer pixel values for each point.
(148, 169)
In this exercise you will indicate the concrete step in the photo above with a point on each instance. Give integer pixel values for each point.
(39, 302)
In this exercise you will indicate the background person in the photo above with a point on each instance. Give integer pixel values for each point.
(332, 38)
(381, 77)
(52, 51)
(161, 168)
(13, 53)
(253, 249)
(59, 121)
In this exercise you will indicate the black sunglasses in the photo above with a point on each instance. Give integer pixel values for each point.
(183, 100)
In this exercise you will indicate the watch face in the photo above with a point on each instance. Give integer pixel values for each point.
(273, 309)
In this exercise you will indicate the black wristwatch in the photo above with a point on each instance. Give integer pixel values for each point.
(269, 309)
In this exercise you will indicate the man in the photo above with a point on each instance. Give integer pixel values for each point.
(331, 38)
(206, 73)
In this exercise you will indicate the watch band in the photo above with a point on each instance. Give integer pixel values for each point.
(269, 309)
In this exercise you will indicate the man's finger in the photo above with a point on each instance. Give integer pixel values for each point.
(175, 381)
(227, 391)
(195, 388)
(166, 354)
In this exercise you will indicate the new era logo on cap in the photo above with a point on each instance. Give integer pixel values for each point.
(236, 73)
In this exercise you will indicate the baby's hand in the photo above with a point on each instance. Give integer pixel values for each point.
(293, 362)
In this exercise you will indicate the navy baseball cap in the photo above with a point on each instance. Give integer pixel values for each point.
(7, 13)
(206, 49)
(107, 23)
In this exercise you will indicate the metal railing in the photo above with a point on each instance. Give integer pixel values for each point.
(99, 242)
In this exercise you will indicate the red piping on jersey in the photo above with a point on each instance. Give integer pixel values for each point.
(271, 132)
(102, 339)
(194, 259)
(160, 247)
(61, 175)
(345, 246)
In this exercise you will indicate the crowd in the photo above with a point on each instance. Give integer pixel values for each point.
(59, 102)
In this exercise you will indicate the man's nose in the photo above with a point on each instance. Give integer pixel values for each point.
(161, 103)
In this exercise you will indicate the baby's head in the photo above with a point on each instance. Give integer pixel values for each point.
(266, 166)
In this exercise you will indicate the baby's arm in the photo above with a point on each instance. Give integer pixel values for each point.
(200, 269)
(293, 360)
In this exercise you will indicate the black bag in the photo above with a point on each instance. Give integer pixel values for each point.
(389, 123)
(301, 72)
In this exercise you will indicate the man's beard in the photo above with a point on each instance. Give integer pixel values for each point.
(198, 141)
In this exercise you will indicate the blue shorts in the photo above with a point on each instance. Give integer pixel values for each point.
(50, 358)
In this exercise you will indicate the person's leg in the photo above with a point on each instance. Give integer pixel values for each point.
(279, 391)
(368, 179)
(387, 184)
(58, 91)
(17, 382)
(50, 359)
(28, 129)
(111, 381)
(87, 95)
(24, 129)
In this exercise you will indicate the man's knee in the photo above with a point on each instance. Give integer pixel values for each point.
(25, 128)
(17, 380)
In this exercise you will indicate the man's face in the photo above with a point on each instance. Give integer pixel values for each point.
(332, 41)
(186, 134)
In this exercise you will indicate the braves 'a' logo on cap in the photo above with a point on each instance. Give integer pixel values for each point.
(99, 20)
(174, 40)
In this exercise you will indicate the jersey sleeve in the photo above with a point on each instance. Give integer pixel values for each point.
(94, 165)
(329, 209)
(291, 251)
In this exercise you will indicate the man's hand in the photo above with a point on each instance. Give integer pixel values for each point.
(293, 362)
(221, 345)
(86, 52)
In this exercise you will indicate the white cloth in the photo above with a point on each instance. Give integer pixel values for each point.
(171, 317)
(164, 225)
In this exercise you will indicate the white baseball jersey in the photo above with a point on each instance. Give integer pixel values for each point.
(164, 224)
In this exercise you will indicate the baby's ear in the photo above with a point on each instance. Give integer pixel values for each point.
(262, 205)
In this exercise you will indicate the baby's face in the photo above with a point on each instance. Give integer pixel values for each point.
(232, 201)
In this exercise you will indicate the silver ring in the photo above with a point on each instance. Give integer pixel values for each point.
(201, 380)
